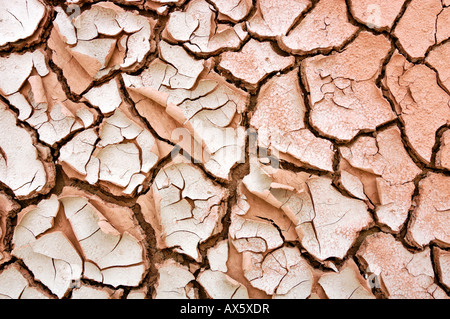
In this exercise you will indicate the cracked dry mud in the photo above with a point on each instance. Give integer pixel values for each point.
(224, 149)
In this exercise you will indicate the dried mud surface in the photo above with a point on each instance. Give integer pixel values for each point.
(224, 149)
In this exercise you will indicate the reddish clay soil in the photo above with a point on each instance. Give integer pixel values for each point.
(225, 149)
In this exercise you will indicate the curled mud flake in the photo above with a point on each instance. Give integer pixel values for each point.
(199, 32)
(252, 235)
(41, 100)
(63, 58)
(22, 64)
(65, 27)
(437, 59)
(187, 68)
(93, 55)
(204, 121)
(272, 19)
(324, 28)
(138, 293)
(327, 222)
(346, 284)
(106, 96)
(283, 273)
(188, 206)
(94, 292)
(421, 104)
(344, 97)
(14, 285)
(352, 184)
(262, 225)
(8, 208)
(255, 61)
(77, 152)
(181, 26)
(424, 24)
(443, 25)
(97, 155)
(173, 281)
(235, 270)
(336, 222)
(24, 164)
(376, 14)
(113, 169)
(120, 217)
(20, 20)
(442, 261)
(280, 122)
(430, 219)
(258, 226)
(366, 181)
(233, 10)
(52, 259)
(398, 272)
(443, 154)
(64, 239)
(35, 220)
(108, 39)
(218, 256)
(219, 285)
(393, 171)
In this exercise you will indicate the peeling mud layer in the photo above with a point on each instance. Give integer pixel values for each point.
(225, 149)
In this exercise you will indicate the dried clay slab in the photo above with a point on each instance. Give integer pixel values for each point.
(82, 237)
(184, 207)
(424, 24)
(21, 22)
(8, 209)
(102, 39)
(198, 31)
(420, 102)
(376, 14)
(35, 91)
(344, 97)
(16, 284)
(392, 172)
(96, 154)
(327, 223)
(25, 164)
(204, 121)
(272, 19)
(254, 62)
(398, 270)
(324, 28)
(279, 119)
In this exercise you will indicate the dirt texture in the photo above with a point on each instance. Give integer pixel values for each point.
(224, 149)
